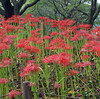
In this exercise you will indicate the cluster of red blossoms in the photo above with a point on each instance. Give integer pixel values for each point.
(30, 68)
(61, 59)
(3, 80)
(14, 93)
(5, 62)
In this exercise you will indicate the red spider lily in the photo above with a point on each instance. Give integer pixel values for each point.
(56, 44)
(75, 38)
(16, 19)
(80, 64)
(55, 24)
(10, 28)
(35, 34)
(3, 80)
(92, 46)
(46, 37)
(33, 39)
(34, 20)
(69, 47)
(14, 93)
(30, 62)
(34, 49)
(39, 40)
(29, 15)
(32, 25)
(27, 47)
(90, 37)
(12, 36)
(98, 54)
(96, 30)
(85, 57)
(53, 33)
(72, 73)
(23, 55)
(77, 65)
(62, 59)
(22, 43)
(3, 46)
(87, 63)
(35, 31)
(8, 40)
(56, 85)
(30, 69)
(87, 46)
(65, 33)
(85, 26)
(50, 59)
(5, 62)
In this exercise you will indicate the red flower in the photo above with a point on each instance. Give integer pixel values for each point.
(22, 43)
(87, 63)
(50, 59)
(23, 55)
(30, 68)
(7, 40)
(85, 57)
(62, 59)
(98, 54)
(39, 41)
(5, 62)
(86, 26)
(56, 85)
(14, 93)
(72, 73)
(54, 34)
(27, 47)
(56, 44)
(3, 46)
(77, 65)
(3, 80)
(33, 39)
(74, 38)
(34, 49)
(46, 37)
(30, 62)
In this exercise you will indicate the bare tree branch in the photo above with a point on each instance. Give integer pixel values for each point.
(97, 13)
(3, 2)
(2, 12)
(27, 6)
(15, 2)
(58, 9)
(21, 2)
(82, 12)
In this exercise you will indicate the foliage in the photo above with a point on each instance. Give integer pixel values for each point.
(78, 10)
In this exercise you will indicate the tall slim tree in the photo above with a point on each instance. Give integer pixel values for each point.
(14, 7)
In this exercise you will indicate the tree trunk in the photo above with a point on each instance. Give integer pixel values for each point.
(14, 9)
(9, 9)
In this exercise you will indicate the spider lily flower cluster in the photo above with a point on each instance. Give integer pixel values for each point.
(54, 55)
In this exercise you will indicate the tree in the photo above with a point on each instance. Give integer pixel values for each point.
(14, 7)
(83, 11)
